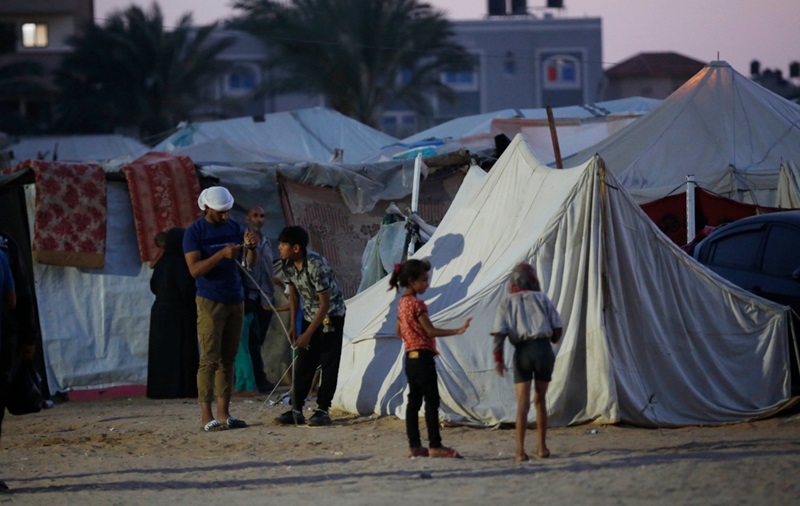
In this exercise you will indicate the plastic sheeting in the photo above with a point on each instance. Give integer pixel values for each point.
(76, 148)
(578, 126)
(313, 133)
(478, 124)
(95, 322)
(651, 336)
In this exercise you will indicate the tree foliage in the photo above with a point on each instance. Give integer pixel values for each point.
(360, 54)
(134, 72)
(22, 78)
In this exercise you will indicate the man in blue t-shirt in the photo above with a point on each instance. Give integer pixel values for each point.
(212, 246)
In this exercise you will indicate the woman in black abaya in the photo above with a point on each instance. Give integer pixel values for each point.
(172, 356)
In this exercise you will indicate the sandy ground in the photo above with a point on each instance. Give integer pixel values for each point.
(140, 451)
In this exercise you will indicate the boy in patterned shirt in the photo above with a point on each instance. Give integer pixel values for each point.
(319, 344)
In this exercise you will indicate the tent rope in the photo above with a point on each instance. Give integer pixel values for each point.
(245, 269)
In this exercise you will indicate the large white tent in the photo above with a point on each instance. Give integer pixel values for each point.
(730, 133)
(651, 336)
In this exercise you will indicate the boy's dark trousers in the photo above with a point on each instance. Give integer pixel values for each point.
(324, 351)
(422, 383)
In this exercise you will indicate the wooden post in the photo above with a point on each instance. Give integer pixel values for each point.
(554, 136)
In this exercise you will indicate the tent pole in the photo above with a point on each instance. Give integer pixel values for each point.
(690, 211)
(414, 202)
(554, 136)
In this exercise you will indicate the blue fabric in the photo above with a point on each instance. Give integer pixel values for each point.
(222, 283)
(245, 379)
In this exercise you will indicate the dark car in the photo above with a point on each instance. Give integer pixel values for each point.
(761, 254)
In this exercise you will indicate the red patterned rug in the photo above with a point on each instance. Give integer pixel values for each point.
(164, 190)
(70, 218)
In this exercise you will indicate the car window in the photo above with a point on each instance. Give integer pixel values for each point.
(782, 252)
(738, 251)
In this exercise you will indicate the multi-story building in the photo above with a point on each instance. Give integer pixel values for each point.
(37, 31)
(523, 61)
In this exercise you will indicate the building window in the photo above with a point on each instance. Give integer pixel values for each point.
(509, 64)
(462, 80)
(561, 72)
(242, 79)
(34, 35)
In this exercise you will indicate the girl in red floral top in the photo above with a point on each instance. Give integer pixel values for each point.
(418, 334)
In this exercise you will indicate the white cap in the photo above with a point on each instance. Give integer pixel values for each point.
(217, 198)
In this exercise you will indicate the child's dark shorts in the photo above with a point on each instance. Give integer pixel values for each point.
(533, 359)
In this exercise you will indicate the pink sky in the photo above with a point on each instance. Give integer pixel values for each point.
(740, 30)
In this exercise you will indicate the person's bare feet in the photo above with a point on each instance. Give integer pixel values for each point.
(543, 454)
(522, 458)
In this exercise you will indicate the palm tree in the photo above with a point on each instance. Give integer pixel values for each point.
(359, 54)
(19, 80)
(131, 72)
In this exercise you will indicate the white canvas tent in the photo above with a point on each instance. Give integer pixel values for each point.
(789, 185)
(651, 337)
(729, 132)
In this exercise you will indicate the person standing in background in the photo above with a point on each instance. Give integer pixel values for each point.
(172, 353)
(259, 297)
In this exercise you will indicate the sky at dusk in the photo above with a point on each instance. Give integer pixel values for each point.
(739, 30)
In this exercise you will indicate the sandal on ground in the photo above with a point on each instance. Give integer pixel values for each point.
(522, 458)
(214, 426)
(235, 423)
(419, 451)
(544, 455)
(444, 452)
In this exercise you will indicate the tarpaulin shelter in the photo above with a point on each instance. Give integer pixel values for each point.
(314, 133)
(74, 148)
(651, 337)
(94, 321)
(578, 126)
